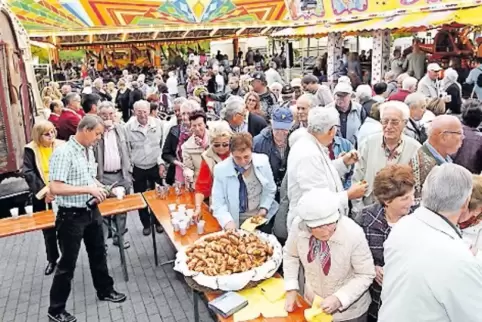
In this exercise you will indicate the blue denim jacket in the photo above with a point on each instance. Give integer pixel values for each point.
(225, 193)
(343, 145)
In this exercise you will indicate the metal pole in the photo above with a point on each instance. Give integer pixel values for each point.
(288, 69)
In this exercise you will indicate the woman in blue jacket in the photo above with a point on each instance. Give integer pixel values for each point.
(243, 186)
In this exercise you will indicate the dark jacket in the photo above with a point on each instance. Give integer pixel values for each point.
(256, 124)
(122, 100)
(222, 97)
(169, 153)
(415, 131)
(32, 172)
(134, 96)
(455, 103)
(268, 102)
(470, 153)
(367, 105)
(104, 96)
(264, 143)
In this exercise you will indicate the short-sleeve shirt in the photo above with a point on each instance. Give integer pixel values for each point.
(73, 164)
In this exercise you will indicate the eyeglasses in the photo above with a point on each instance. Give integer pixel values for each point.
(385, 122)
(453, 132)
(49, 134)
(218, 145)
(252, 100)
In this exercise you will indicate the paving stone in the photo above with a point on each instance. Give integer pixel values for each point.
(155, 294)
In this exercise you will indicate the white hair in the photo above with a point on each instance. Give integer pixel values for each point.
(409, 83)
(179, 101)
(98, 81)
(401, 107)
(344, 79)
(219, 129)
(322, 119)
(234, 105)
(447, 188)
(190, 105)
(415, 99)
(390, 76)
(87, 82)
(364, 92)
(276, 85)
(105, 104)
(142, 104)
(141, 77)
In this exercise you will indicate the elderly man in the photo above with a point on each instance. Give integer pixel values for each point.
(382, 149)
(309, 164)
(351, 114)
(416, 103)
(72, 181)
(287, 97)
(364, 94)
(113, 163)
(144, 137)
(65, 90)
(444, 139)
(239, 118)
(296, 84)
(98, 89)
(322, 94)
(392, 86)
(272, 75)
(409, 85)
(267, 99)
(235, 90)
(70, 117)
(429, 85)
(273, 142)
(430, 274)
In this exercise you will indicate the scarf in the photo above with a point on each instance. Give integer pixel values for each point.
(184, 134)
(320, 249)
(243, 190)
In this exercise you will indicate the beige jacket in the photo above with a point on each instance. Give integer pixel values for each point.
(191, 155)
(352, 269)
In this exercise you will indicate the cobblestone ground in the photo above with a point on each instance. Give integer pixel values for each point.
(154, 293)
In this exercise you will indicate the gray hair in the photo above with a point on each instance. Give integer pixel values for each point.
(310, 98)
(190, 105)
(105, 104)
(401, 107)
(415, 99)
(98, 81)
(219, 129)
(135, 84)
(276, 85)
(70, 97)
(142, 104)
(322, 119)
(179, 101)
(447, 188)
(234, 105)
(364, 92)
(409, 83)
(89, 123)
(390, 75)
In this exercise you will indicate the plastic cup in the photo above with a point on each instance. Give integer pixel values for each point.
(29, 210)
(183, 227)
(181, 207)
(55, 207)
(200, 227)
(175, 225)
(14, 213)
(172, 206)
(190, 212)
(119, 192)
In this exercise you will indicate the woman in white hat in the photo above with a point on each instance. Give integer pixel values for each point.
(335, 256)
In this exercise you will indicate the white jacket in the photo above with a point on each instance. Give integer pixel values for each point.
(430, 275)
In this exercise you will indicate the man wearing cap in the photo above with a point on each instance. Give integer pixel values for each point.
(287, 96)
(322, 93)
(272, 75)
(296, 84)
(267, 99)
(272, 141)
(352, 114)
(429, 85)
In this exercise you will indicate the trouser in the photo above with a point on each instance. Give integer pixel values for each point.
(73, 225)
(362, 318)
(50, 235)
(110, 222)
(145, 179)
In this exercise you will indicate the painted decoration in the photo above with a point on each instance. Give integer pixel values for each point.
(380, 55)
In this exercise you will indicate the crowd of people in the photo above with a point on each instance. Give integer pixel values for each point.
(375, 191)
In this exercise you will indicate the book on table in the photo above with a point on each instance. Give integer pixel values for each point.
(228, 304)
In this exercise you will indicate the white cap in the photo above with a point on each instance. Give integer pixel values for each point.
(319, 207)
(296, 82)
(343, 88)
(434, 67)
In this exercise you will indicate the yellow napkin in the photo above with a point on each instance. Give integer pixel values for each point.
(274, 310)
(252, 310)
(249, 225)
(273, 289)
(316, 314)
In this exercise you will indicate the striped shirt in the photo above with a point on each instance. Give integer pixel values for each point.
(74, 165)
(112, 158)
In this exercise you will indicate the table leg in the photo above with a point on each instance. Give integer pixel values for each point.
(153, 231)
(120, 239)
(195, 300)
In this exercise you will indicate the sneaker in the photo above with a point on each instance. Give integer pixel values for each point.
(146, 231)
(62, 317)
(113, 296)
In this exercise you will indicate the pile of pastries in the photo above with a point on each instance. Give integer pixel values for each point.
(227, 253)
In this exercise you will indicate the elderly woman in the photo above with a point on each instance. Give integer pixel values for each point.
(36, 170)
(178, 134)
(241, 119)
(393, 190)
(219, 135)
(276, 89)
(112, 91)
(122, 100)
(334, 253)
(454, 89)
(253, 103)
(416, 103)
(435, 107)
(195, 145)
(243, 186)
(371, 125)
(382, 149)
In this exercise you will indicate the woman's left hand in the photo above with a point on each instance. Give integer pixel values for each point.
(331, 304)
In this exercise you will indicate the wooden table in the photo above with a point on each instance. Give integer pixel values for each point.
(160, 210)
(46, 219)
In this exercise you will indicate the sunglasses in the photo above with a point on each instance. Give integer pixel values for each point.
(217, 145)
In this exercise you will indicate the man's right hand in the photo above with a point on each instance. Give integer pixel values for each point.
(357, 190)
(99, 193)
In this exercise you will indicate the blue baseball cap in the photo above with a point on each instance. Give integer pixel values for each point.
(282, 118)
